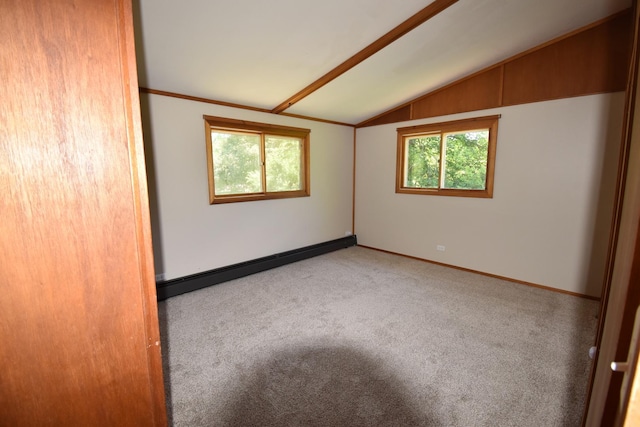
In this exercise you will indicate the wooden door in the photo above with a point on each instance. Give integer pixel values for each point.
(79, 341)
(607, 403)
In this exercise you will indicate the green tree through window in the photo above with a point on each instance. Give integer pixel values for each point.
(465, 160)
(255, 161)
(453, 159)
(423, 163)
(236, 163)
(282, 156)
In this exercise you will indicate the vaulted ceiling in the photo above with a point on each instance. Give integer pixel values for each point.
(262, 54)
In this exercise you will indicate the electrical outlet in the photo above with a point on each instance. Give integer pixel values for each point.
(440, 248)
(347, 233)
(160, 277)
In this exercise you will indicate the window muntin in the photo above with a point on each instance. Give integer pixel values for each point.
(255, 161)
(449, 159)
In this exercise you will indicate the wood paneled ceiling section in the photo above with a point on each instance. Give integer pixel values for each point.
(339, 60)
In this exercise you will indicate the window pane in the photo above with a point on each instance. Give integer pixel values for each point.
(236, 163)
(465, 163)
(422, 160)
(283, 162)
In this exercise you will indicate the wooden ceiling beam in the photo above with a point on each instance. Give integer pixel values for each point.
(414, 21)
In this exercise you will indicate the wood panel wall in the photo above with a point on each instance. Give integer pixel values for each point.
(479, 92)
(79, 341)
(592, 60)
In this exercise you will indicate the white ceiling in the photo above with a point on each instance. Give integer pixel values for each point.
(259, 53)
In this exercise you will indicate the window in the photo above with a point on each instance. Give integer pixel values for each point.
(255, 161)
(448, 159)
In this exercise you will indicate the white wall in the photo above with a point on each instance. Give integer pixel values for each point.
(548, 221)
(191, 236)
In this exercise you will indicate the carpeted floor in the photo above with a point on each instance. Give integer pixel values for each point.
(363, 338)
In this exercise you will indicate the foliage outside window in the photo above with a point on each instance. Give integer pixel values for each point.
(448, 159)
(255, 161)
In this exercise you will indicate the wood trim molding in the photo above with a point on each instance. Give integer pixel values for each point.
(198, 99)
(316, 119)
(353, 194)
(232, 105)
(603, 46)
(501, 86)
(482, 273)
(414, 21)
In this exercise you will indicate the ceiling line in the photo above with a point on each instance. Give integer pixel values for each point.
(199, 99)
(143, 89)
(414, 21)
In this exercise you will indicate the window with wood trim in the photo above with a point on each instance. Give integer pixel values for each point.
(448, 159)
(255, 161)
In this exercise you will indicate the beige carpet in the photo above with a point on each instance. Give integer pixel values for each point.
(363, 338)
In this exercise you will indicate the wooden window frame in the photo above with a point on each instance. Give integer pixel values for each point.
(262, 129)
(486, 122)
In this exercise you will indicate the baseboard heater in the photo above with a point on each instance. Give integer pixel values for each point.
(171, 288)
